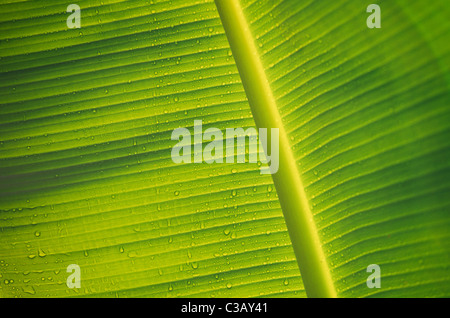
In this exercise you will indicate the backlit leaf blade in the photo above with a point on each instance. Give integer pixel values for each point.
(366, 113)
(87, 177)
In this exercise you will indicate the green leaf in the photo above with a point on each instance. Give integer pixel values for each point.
(365, 117)
(86, 117)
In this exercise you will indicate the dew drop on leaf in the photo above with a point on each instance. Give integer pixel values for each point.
(41, 253)
(132, 254)
(29, 290)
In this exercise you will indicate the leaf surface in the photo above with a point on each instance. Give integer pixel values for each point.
(86, 117)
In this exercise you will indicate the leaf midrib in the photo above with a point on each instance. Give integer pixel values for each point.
(302, 229)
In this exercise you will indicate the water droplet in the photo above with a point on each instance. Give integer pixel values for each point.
(29, 290)
(132, 254)
(41, 253)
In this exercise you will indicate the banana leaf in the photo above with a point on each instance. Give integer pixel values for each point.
(87, 176)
